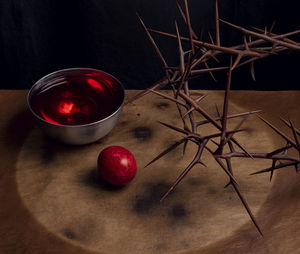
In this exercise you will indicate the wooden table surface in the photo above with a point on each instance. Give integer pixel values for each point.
(51, 200)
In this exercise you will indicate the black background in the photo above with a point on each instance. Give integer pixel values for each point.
(42, 36)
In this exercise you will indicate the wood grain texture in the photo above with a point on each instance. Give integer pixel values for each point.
(53, 202)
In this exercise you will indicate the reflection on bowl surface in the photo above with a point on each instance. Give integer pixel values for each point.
(78, 105)
(78, 99)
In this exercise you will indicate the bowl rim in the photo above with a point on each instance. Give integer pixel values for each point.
(30, 93)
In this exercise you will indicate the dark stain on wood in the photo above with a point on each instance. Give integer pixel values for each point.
(142, 133)
(178, 211)
(196, 181)
(170, 210)
(146, 203)
(69, 234)
(82, 230)
(211, 191)
(249, 130)
(162, 105)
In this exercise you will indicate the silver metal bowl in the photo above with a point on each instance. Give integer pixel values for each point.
(75, 134)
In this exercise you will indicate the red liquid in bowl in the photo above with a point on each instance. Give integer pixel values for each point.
(78, 99)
